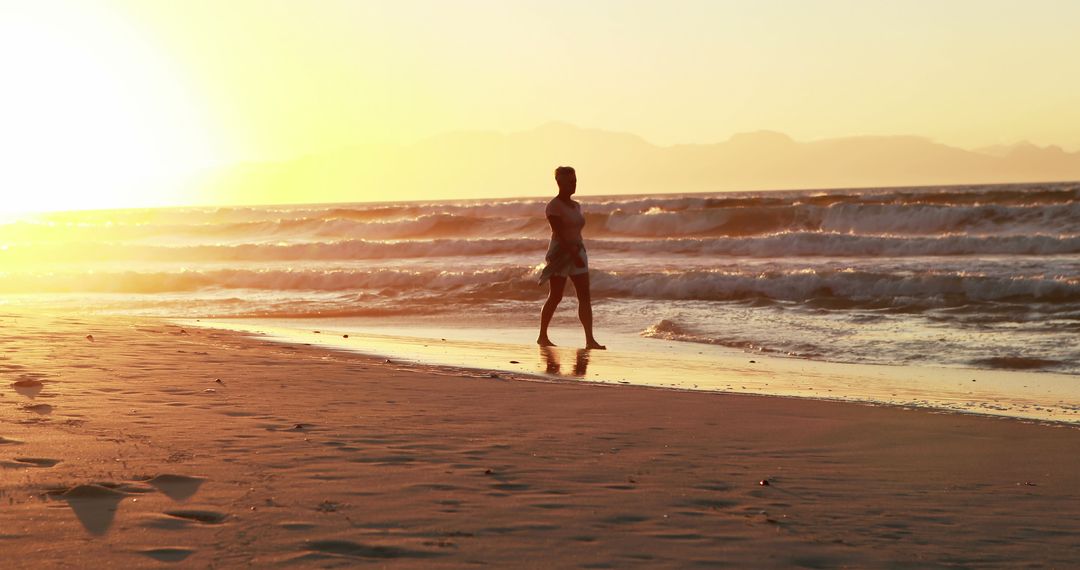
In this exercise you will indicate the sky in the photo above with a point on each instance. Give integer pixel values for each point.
(113, 102)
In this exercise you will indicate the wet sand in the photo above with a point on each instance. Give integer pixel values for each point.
(147, 444)
(1032, 395)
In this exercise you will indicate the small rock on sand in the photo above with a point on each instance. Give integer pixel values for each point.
(90, 337)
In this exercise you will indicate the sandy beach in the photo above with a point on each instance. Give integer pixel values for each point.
(132, 442)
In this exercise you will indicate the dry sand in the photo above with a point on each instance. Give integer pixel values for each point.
(149, 446)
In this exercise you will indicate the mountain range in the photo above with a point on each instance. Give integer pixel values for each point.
(481, 164)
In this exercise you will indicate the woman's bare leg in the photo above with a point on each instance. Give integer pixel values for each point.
(581, 285)
(554, 296)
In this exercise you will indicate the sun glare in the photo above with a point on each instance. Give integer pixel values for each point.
(93, 116)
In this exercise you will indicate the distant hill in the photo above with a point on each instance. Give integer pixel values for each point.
(478, 164)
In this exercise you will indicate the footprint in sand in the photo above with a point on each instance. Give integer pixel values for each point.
(168, 554)
(43, 409)
(177, 487)
(94, 505)
(28, 387)
(27, 462)
(204, 517)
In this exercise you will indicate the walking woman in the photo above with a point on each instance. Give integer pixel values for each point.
(566, 258)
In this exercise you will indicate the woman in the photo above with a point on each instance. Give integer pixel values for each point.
(566, 257)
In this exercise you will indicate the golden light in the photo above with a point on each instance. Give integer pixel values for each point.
(93, 116)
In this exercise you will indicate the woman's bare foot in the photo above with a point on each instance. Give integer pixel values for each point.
(595, 345)
(544, 341)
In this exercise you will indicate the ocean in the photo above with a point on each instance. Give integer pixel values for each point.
(976, 276)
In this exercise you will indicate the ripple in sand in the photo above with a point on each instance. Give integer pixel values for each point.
(6, 441)
(177, 487)
(296, 525)
(162, 522)
(168, 554)
(205, 517)
(357, 550)
(713, 504)
(624, 519)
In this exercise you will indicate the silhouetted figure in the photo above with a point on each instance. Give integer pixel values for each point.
(566, 257)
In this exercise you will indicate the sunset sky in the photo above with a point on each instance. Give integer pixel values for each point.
(105, 100)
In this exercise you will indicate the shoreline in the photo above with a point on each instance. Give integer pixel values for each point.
(153, 444)
(1026, 395)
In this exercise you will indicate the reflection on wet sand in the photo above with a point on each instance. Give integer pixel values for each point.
(549, 360)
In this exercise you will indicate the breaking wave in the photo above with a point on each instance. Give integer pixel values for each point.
(838, 289)
(776, 245)
(1048, 211)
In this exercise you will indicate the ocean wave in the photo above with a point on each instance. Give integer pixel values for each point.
(668, 329)
(270, 252)
(820, 288)
(1060, 219)
(788, 244)
(390, 282)
(848, 245)
(842, 288)
(1052, 210)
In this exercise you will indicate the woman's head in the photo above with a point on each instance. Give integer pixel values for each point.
(566, 178)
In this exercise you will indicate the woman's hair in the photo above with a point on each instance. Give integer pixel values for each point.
(563, 171)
